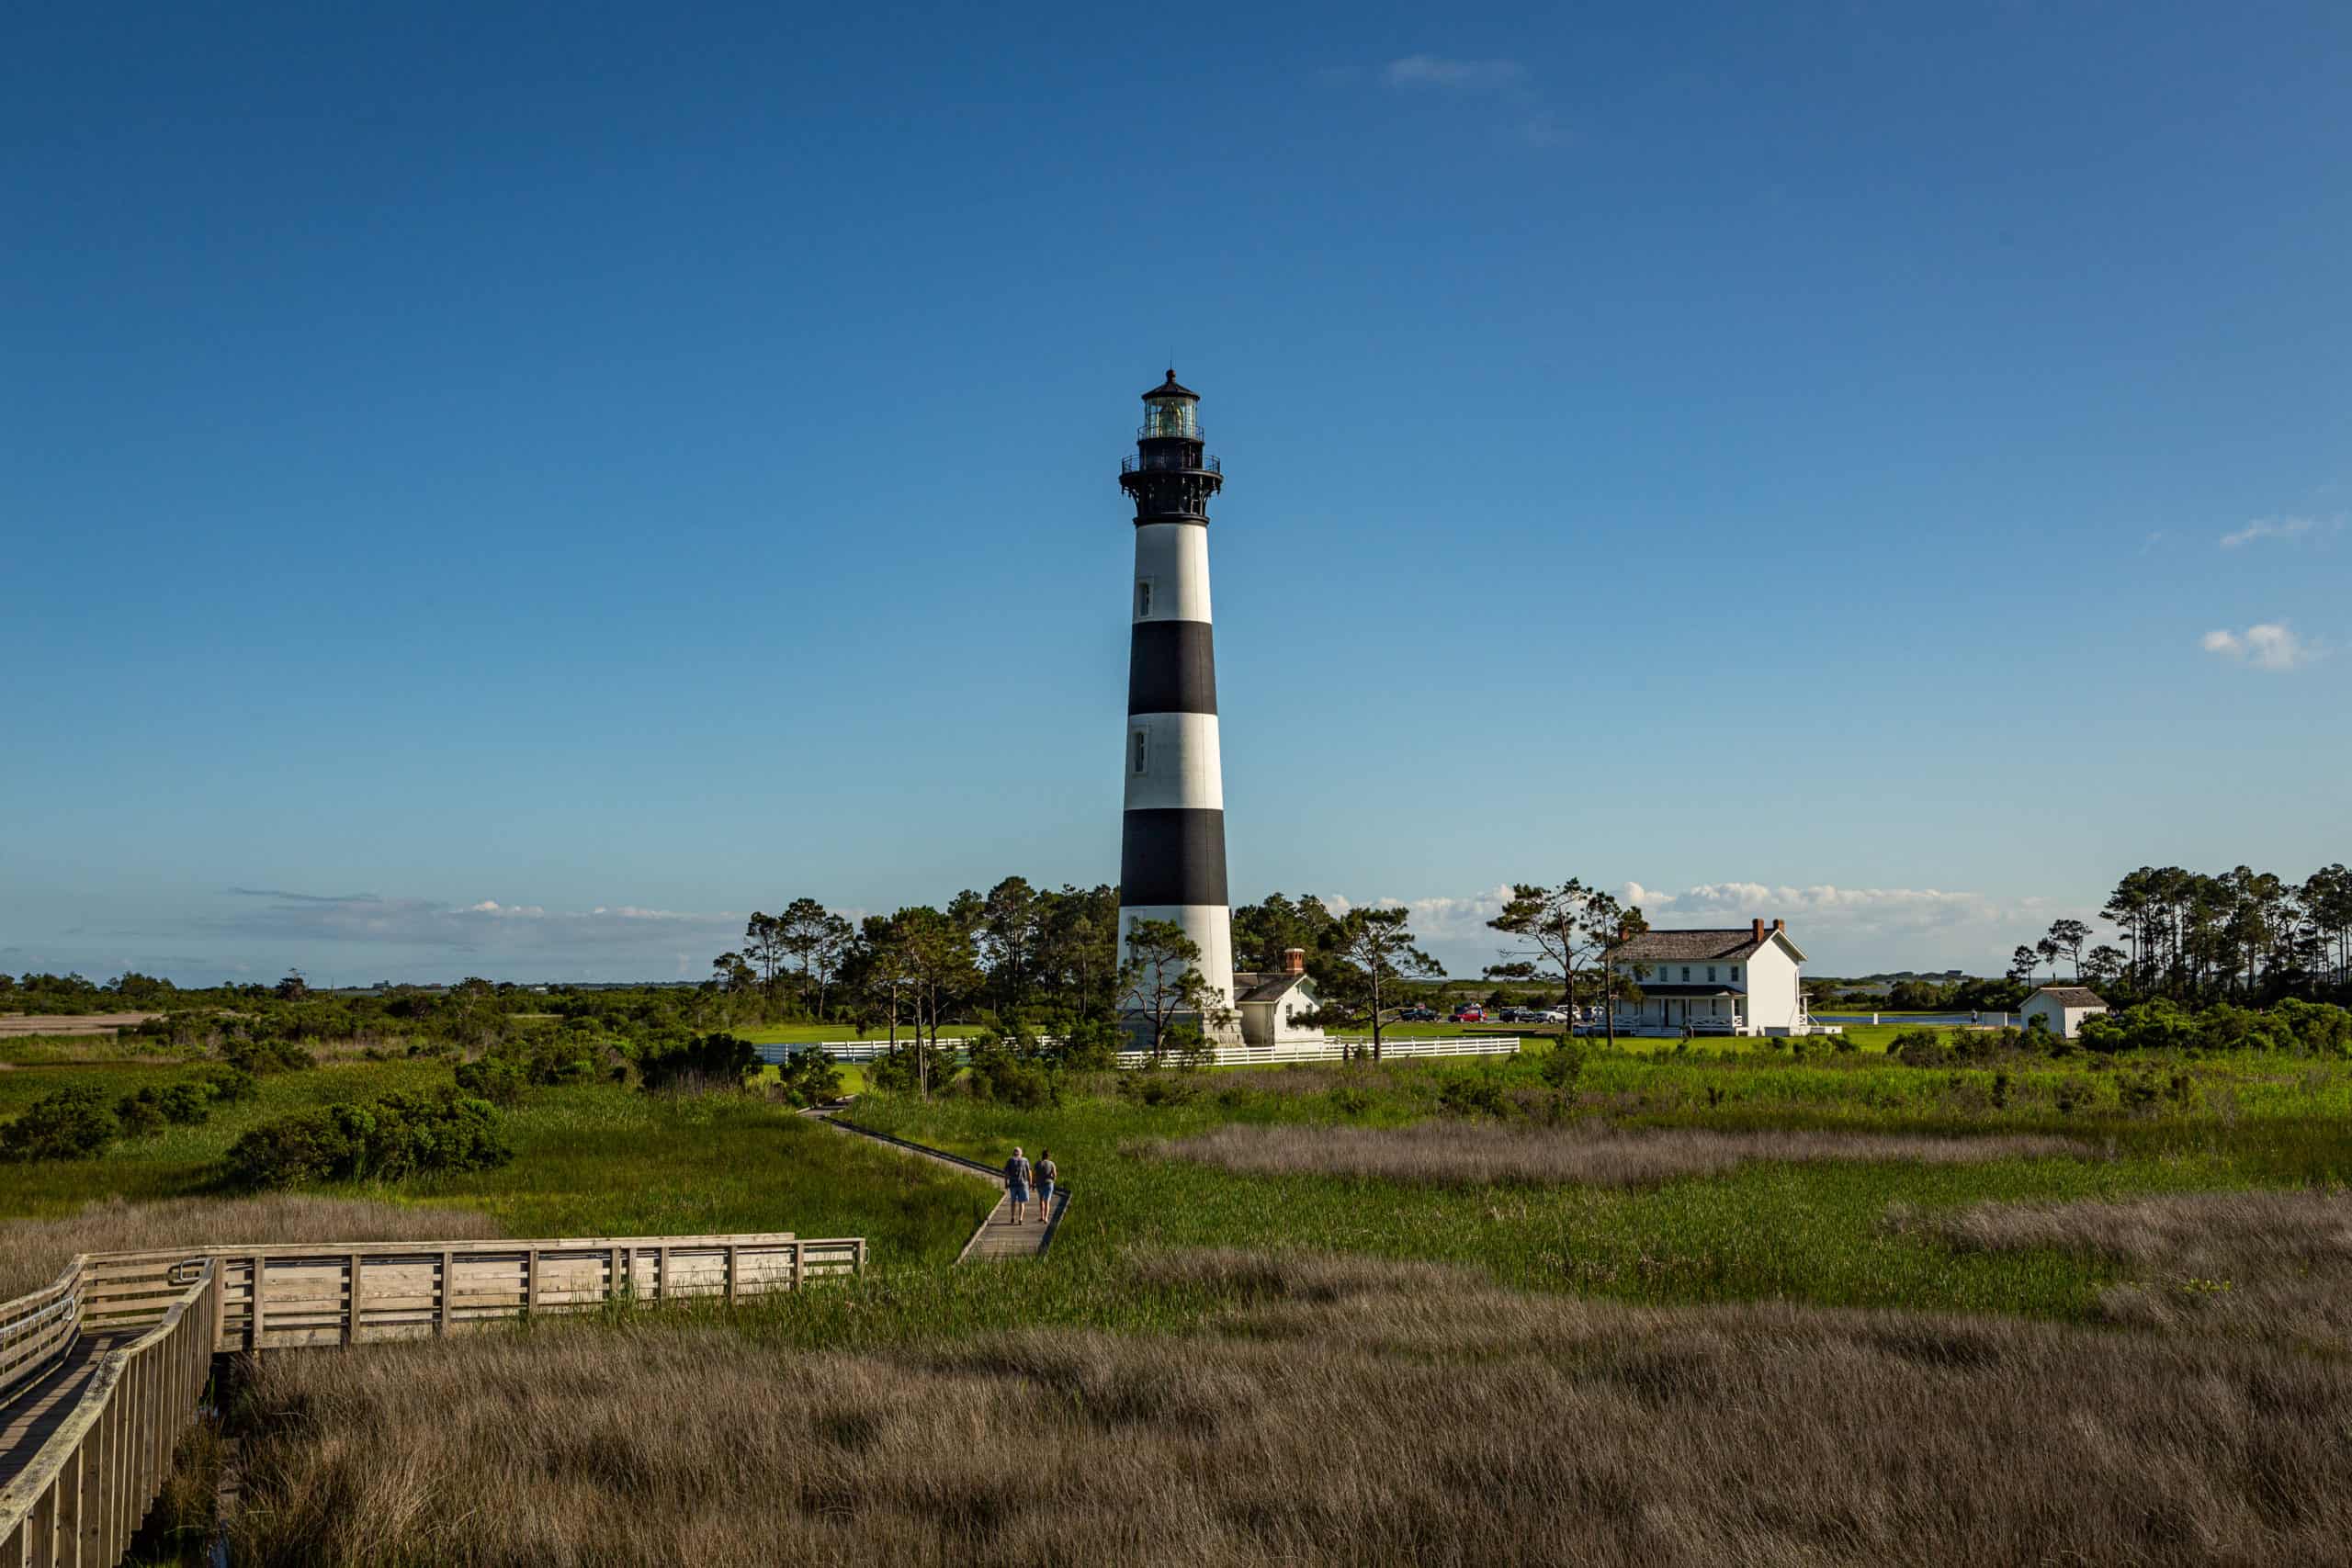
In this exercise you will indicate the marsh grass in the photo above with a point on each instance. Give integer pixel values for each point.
(1588, 1153)
(1328, 1410)
(2259, 1264)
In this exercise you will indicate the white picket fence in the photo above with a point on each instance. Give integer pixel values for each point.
(1333, 1049)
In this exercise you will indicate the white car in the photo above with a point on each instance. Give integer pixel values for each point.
(1542, 1015)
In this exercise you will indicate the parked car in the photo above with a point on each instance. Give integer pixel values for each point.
(1417, 1015)
(1469, 1014)
(1542, 1015)
(1508, 1014)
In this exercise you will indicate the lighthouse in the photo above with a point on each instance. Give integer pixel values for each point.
(1171, 853)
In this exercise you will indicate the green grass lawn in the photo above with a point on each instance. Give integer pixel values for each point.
(590, 1160)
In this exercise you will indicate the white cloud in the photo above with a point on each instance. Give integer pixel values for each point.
(1462, 75)
(485, 926)
(2269, 645)
(2278, 528)
(1506, 81)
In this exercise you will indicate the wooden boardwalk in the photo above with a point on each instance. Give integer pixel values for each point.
(997, 1237)
(102, 1368)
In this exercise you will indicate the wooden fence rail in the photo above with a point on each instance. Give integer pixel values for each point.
(101, 1369)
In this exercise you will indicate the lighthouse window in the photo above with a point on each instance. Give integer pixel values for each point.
(1140, 749)
(1143, 600)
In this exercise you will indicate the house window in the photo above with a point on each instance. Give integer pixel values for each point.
(1685, 974)
(1143, 602)
(1140, 752)
(1711, 971)
(1735, 974)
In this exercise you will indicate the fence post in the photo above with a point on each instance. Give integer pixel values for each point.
(253, 1318)
(733, 1270)
(531, 1280)
(613, 1277)
(351, 1317)
(800, 1263)
(860, 1265)
(442, 1314)
(220, 1300)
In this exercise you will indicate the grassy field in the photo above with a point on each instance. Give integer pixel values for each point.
(591, 1160)
(1742, 1302)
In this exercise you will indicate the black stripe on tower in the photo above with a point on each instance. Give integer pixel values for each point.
(1171, 668)
(1172, 855)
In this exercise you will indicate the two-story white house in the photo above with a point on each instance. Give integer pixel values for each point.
(1743, 980)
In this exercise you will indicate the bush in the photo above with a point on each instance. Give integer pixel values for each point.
(1563, 1065)
(1088, 1046)
(1473, 1097)
(138, 1115)
(494, 1078)
(392, 1139)
(810, 1078)
(707, 1062)
(71, 1123)
(230, 1085)
(1147, 1088)
(261, 1058)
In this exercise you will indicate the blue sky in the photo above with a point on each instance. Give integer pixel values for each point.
(512, 490)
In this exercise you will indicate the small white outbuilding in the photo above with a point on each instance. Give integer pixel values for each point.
(2062, 1008)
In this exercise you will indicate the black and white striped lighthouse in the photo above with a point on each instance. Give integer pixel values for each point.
(1171, 858)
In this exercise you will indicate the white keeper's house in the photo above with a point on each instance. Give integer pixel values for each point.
(1739, 980)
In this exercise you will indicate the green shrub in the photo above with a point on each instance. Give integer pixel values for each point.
(186, 1104)
(494, 1078)
(1147, 1088)
(71, 1123)
(907, 1069)
(810, 1078)
(1473, 1097)
(261, 1058)
(138, 1115)
(707, 1062)
(392, 1139)
(1563, 1065)
(1088, 1046)
(231, 1085)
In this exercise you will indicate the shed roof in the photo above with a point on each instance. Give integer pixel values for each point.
(2071, 995)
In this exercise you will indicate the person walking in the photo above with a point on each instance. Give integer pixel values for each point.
(1016, 1183)
(1047, 1175)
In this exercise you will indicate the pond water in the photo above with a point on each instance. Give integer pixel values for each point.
(1918, 1020)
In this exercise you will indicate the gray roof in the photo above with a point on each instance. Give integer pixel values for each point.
(2071, 995)
(1269, 986)
(1686, 947)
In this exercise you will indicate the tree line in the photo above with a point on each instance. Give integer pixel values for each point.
(2243, 936)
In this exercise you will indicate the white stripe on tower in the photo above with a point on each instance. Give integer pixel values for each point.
(1171, 861)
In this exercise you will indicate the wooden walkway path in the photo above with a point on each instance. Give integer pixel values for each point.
(997, 1237)
(102, 1368)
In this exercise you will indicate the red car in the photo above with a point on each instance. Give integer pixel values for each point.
(1470, 1015)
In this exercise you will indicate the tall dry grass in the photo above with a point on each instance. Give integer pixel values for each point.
(1458, 1153)
(32, 1252)
(1335, 1410)
(2259, 1264)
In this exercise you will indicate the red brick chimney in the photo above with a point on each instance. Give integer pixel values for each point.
(1294, 961)
(1756, 931)
(1778, 926)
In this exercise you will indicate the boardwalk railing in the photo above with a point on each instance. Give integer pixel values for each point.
(156, 1319)
(1336, 1048)
(81, 1497)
